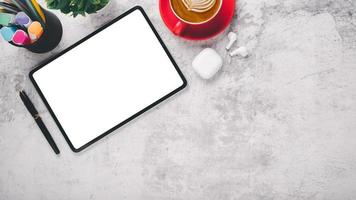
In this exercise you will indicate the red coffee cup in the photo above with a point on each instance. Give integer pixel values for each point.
(198, 31)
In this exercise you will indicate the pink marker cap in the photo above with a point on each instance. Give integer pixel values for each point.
(20, 38)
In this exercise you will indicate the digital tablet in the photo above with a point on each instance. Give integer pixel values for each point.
(107, 79)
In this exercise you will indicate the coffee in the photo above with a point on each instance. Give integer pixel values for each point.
(195, 11)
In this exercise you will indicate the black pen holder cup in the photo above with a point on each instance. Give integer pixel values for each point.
(51, 36)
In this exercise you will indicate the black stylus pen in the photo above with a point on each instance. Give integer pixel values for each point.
(31, 108)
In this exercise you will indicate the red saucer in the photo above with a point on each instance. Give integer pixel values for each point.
(203, 31)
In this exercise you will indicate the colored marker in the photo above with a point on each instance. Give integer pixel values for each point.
(8, 32)
(22, 19)
(35, 31)
(20, 38)
(4, 9)
(9, 6)
(34, 14)
(19, 4)
(6, 19)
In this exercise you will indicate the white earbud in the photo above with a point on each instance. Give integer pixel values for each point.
(232, 39)
(241, 51)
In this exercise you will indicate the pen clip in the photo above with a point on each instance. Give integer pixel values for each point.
(37, 116)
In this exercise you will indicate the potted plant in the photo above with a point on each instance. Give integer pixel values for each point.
(77, 7)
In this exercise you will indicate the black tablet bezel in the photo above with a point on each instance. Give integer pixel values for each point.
(44, 63)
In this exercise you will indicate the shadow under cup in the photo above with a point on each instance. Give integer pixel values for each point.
(51, 36)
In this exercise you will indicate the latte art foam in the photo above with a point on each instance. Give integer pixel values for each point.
(196, 11)
(199, 5)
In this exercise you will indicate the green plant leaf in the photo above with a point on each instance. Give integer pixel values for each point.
(77, 7)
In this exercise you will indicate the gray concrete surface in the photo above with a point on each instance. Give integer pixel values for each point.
(277, 125)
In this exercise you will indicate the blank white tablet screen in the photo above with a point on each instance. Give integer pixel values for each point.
(107, 79)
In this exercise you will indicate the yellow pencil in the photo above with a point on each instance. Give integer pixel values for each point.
(39, 10)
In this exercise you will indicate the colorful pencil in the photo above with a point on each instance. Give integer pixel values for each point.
(32, 9)
(8, 9)
(21, 6)
(9, 5)
(39, 10)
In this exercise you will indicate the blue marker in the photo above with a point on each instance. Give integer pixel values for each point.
(8, 32)
(22, 19)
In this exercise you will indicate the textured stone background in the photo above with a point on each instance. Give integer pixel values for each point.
(278, 125)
